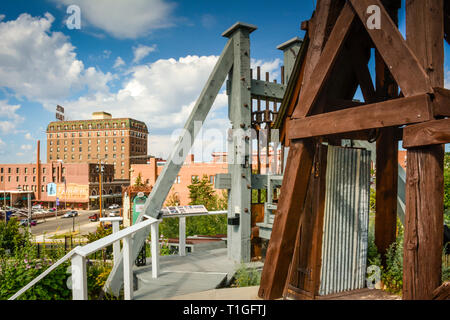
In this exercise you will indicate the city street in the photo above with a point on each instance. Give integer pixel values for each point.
(62, 225)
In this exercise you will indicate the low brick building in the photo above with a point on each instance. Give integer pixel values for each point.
(77, 184)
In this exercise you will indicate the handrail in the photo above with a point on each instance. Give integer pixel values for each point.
(88, 249)
(109, 240)
(45, 273)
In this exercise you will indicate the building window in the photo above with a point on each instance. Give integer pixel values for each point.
(80, 142)
(122, 163)
(34, 179)
(65, 156)
(122, 156)
(106, 141)
(178, 179)
(106, 148)
(73, 142)
(65, 142)
(1, 170)
(114, 155)
(51, 149)
(17, 179)
(80, 157)
(17, 170)
(9, 179)
(98, 141)
(89, 156)
(34, 171)
(89, 141)
(26, 170)
(25, 179)
(73, 157)
(211, 180)
(79, 149)
(73, 149)
(122, 171)
(98, 149)
(98, 133)
(57, 142)
(44, 178)
(65, 149)
(51, 143)
(44, 170)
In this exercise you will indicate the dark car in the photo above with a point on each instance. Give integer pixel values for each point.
(94, 217)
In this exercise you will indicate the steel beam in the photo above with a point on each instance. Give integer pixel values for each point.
(175, 161)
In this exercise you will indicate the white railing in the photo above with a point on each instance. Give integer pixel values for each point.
(182, 226)
(79, 255)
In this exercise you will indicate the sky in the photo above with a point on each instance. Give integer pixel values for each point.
(144, 59)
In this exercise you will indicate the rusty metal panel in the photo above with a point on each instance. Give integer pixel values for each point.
(346, 220)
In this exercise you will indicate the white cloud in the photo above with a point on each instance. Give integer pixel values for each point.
(26, 147)
(118, 63)
(273, 67)
(141, 51)
(162, 94)
(42, 65)
(9, 119)
(28, 136)
(124, 19)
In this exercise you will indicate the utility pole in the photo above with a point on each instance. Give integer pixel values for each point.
(100, 168)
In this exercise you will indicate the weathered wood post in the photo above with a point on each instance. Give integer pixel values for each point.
(239, 161)
(422, 262)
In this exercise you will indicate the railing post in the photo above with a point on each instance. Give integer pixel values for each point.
(155, 249)
(182, 236)
(127, 268)
(79, 278)
(116, 245)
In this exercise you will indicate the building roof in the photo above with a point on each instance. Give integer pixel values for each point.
(129, 124)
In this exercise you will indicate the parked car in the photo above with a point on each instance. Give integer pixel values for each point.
(24, 222)
(70, 214)
(94, 217)
(114, 206)
(115, 213)
(38, 206)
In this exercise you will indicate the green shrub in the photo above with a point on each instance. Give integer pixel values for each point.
(246, 277)
(19, 270)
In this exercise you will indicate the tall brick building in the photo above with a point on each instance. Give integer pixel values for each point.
(117, 141)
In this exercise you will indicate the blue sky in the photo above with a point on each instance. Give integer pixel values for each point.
(147, 59)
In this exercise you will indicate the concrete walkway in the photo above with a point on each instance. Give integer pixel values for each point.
(196, 272)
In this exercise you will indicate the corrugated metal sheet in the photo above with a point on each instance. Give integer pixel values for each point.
(346, 220)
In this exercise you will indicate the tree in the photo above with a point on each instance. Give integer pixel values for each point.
(202, 192)
(138, 182)
(11, 237)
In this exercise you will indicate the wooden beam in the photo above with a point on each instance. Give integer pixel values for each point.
(441, 102)
(424, 214)
(427, 133)
(378, 115)
(317, 81)
(290, 204)
(386, 191)
(304, 273)
(404, 65)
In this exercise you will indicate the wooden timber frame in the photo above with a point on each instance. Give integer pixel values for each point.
(407, 102)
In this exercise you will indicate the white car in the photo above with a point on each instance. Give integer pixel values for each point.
(70, 214)
(114, 206)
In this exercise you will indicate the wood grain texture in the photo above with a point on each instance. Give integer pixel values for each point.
(312, 88)
(404, 65)
(290, 204)
(386, 191)
(423, 240)
(377, 115)
(427, 133)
